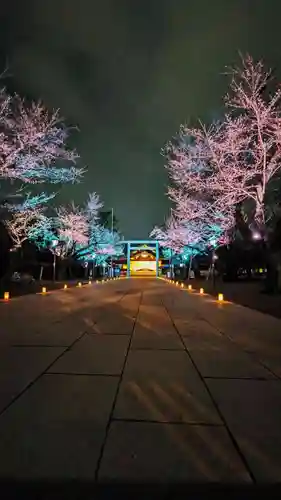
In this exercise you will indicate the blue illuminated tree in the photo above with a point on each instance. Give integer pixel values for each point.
(33, 150)
(27, 219)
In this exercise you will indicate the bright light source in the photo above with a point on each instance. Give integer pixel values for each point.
(79, 284)
(215, 257)
(220, 297)
(97, 282)
(189, 287)
(177, 282)
(182, 285)
(201, 291)
(256, 236)
(6, 295)
(65, 286)
(89, 282)
(44, 289)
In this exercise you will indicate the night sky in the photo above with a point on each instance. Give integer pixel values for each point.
(128, 72)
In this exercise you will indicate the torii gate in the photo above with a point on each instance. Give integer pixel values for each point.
(142, 245)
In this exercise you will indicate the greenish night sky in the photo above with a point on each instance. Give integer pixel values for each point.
(128, 72)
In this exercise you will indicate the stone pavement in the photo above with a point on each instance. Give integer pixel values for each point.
(138, 380)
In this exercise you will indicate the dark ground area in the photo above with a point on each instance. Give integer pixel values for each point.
(18, 289)
(245, 293)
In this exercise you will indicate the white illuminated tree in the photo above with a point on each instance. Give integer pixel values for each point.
(33, 144)
(172, 235)
(241, 155)
(93, 206)
(196, 205)
(27, 217)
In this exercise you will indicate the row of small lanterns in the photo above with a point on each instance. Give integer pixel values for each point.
(7, 297)
(220, 297)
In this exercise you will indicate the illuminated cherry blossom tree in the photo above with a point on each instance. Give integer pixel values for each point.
(234, 161)
(27, 217)
(196, 206)
(33, 150)
(68, 233)
(105, 243)
(33, 144)
(73, 229)
(80, 234)
(178, 240)
(171, 236)
(93, 206)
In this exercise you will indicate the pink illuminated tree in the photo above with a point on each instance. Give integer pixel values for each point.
(33, 144)
(172, 235)
(236, 160)
(196, 209)
(76, 225)
(72, 229)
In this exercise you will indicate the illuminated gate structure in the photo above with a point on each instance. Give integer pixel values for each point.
(142, 258)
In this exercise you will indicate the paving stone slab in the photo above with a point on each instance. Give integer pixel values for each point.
(164, 453)
(272, 363)
(114, 320)
(210, 341)
(130, 303)
(94, 354)
(146, 339)
(152, 299)
(265, 345)
(61, 333)
(253, 405)
(56, 429)
(163, 386)
(220, 361)
(262, 453)
(193, 327)
(20, 366)
(155, 319)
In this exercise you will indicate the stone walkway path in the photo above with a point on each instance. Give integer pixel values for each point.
(138, 380)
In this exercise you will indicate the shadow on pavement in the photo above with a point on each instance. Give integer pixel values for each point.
(83, 490)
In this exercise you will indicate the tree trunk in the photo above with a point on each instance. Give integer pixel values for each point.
(41, 272)
(189, 267)
(272, 273)
(14, 262)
